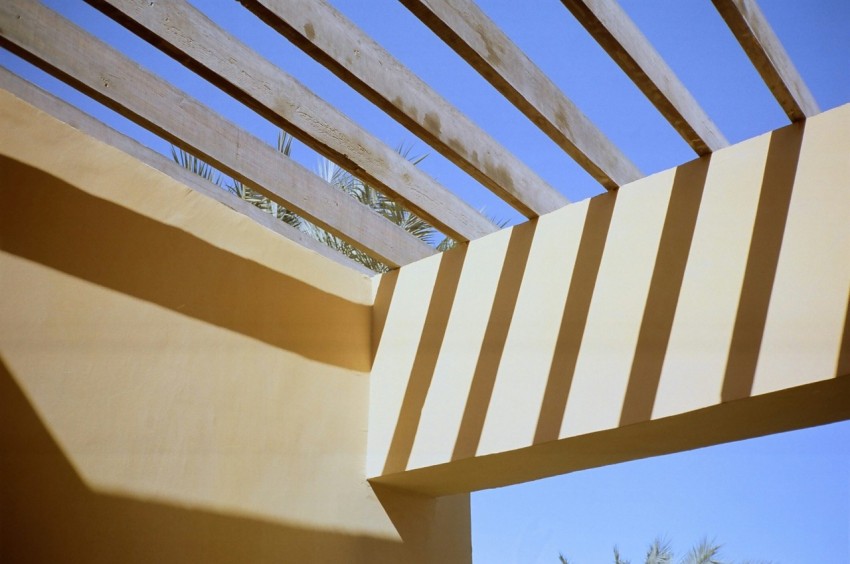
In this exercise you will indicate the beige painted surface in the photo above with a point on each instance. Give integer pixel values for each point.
(178, 383)
(700, 305)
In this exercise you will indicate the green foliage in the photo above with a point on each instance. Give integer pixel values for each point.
(661, 552)
(340, 179)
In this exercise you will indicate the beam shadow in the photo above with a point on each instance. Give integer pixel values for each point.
(762, 260)
(843, 365)
(588, 258)
(53, 223)
(425, 361)
(48, 514)
(665, 285)
(493, 344)
(381, 307)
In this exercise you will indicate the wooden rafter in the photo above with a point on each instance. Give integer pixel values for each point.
(186, 34)
(66, 113)
(476, 38)
(615, 32)
(764, 49)
(342, 47)
(64, 50)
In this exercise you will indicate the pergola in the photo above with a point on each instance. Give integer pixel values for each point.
(350, 419)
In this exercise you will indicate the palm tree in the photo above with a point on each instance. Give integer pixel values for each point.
(340, 179)
(661, 552)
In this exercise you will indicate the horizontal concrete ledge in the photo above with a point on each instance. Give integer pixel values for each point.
(810, 405)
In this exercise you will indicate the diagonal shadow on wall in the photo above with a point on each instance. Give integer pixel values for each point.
(381, 307)
(425, 361)
(588, 258)
(493, 344)
(53, 223)
(843, 365)
(665, 285)
(48, 514)
(762, 260)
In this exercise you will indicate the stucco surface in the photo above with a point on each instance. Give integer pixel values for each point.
(178, 383)
(702, 304)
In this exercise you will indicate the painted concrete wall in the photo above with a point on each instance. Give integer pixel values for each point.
(178, 383)
(700, 305)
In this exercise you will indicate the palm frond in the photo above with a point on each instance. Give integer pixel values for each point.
(617, 558)
(659, 552)
(706, 552)
(193, 164)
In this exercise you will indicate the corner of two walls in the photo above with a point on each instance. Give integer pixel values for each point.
(178, 383)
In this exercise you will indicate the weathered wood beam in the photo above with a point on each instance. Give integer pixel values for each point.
(76, 118)
(348, 52)
(56, 45)
(764, 49)
(476, 38)
(615, 32)
(186, 34)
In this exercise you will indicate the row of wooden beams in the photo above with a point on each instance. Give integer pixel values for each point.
(479, 41)
(66, 113)
(186, 34)
(764, 49)
(615, 32)
(69, 53)
(347, 51)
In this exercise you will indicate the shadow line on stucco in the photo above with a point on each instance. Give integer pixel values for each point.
(762, 261)
(843, 366)
(53, 223)
(594, 234)
(674, 248)
(381, 307)
(425, 360)
(493, 343)
(48, 514)
(441, 527)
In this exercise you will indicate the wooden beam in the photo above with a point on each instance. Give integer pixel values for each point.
(764, 49)
(64, 50)
(334, 41)
(623, 41)
(476, 38)
(66, 113)
(181, 31)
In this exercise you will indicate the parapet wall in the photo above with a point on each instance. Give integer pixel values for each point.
(704, 304)
(179, 384)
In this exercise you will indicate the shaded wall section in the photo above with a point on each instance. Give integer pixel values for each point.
(177, 383)
(704, 304)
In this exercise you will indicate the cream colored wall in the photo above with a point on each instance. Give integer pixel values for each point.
(179, 384)
(703, 304)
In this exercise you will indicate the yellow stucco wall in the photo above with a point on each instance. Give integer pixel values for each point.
(178, 383)
(703, 304)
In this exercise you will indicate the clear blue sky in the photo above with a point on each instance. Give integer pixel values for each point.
(784, 498)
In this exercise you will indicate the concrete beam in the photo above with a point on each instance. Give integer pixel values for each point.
(334, 41)
(59, 47)
(704, 304)
(183, 32)
(623, 41)
(764, 49)
(476, 38)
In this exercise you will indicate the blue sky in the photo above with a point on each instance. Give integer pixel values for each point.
(784, 498)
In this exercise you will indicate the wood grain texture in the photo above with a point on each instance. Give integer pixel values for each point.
(190, 37)
(476, 38)
(764, 49)
(628, 47)
(62, 49)
(327, 36)
(66, 113)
